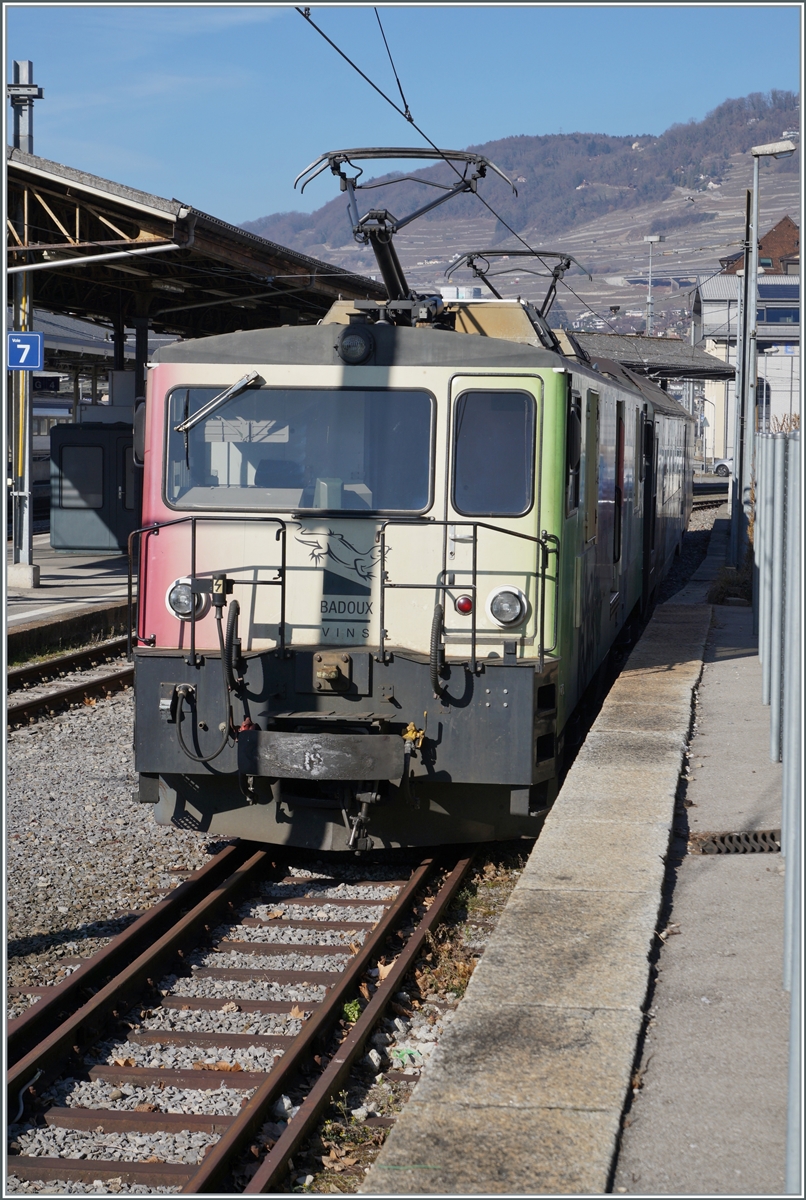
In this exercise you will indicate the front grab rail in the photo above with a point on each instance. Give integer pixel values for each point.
(548, 543)
(154, 529)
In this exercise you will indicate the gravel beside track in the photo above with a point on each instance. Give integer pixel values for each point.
(81, 856)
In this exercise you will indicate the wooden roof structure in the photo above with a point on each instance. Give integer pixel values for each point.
(212, 278)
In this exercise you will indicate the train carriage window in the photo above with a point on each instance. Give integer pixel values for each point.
(286, 449)
(493, 468)
(82, 477)
(573, 452)
(619, 488)
(592, 467)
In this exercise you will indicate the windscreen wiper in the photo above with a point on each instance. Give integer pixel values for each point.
(216, 402)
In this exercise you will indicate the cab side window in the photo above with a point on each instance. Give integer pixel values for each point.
(573, 452)
(493, 460)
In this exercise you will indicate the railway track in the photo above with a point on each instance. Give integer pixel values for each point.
(208, 1038)
(710, 493)
(31, 688)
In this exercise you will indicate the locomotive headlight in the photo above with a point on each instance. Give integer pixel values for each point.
(181, 601)
(355, 344)
(506, 606)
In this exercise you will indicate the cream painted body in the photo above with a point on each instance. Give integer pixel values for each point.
(245, 546)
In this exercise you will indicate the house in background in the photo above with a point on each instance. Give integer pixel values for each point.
(715, 315)
(778, 251)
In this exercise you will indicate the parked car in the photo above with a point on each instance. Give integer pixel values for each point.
(723, 467)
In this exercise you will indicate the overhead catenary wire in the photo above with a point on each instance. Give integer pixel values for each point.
(407, 113)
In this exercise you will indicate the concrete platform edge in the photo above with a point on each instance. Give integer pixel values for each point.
(60, 633)
(525, 1093)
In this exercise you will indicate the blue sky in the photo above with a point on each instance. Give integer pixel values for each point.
(222, 105)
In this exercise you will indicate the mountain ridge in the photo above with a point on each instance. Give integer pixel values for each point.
(565, 180)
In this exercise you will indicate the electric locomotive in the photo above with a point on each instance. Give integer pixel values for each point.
(382, 558)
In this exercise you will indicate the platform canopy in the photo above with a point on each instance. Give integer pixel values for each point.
(657, 358)
(199, 276)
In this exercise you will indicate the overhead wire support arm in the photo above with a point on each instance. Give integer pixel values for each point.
(378, 226)
(472, 257)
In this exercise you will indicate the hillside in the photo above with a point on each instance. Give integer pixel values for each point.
(592, 195)
(565, 179)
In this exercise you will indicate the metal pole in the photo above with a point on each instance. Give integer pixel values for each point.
(649, 296)
(22, 93)
(791, 740)
(792, 799)
(22, 530)
(763, 558)
(737, 517)
(777, 596)
(751, 359)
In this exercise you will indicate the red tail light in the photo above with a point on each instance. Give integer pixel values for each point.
(464, 605)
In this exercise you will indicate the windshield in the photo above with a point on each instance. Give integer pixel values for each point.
(365, 450)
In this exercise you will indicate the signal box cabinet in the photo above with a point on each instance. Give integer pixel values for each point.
(95, 487)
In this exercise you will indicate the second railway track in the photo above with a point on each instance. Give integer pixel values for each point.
(47, 687)
(178, 1041)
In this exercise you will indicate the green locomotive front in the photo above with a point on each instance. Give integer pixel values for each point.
(376, 578)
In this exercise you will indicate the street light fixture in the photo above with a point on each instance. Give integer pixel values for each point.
(652, 238)
(740, 517)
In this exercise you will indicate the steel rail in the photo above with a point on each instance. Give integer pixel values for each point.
(64, 998)
(77, 691)
(75, 660)
(212, 1175)
(83, 1026)
(275, 1164)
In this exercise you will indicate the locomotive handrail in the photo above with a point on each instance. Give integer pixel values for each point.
(544, 541)
(156, 526)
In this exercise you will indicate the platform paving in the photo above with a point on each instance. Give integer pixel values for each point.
(552, 1078)
(67, 583)
(710, 1116)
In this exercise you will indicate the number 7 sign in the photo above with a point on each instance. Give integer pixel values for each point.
(24, 351)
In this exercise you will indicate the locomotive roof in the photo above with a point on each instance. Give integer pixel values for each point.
(399, 346)
(395, 346)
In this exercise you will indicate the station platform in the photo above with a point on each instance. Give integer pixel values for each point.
(626, 1029)
(67, 582)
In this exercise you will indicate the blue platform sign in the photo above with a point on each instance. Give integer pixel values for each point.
(25, 351)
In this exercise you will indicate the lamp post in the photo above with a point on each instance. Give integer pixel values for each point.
(652, 238)
(781, 149)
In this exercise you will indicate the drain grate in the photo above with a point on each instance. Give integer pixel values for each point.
(752, 841)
